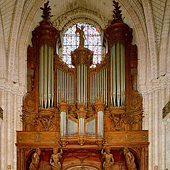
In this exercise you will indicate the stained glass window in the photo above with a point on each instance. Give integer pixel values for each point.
(92, 42)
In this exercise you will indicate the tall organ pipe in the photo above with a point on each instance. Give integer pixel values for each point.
(49, 77)
(65, 85)
(98, 84)
(82, 83)
(46, 77)
(122, 75)
(41, 76)
(117, 75)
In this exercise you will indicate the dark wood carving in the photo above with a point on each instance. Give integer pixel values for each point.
(122, 125)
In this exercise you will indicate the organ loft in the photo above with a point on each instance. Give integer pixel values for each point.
(82, 115)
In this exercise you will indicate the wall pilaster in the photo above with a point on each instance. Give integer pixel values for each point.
(10, 101)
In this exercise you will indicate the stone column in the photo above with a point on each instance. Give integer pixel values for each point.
(11, 101)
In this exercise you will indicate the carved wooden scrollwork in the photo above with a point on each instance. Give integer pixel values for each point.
(29, 102)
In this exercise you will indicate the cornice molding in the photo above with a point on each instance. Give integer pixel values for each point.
(80, 14)
(12, 87)
(157, 84)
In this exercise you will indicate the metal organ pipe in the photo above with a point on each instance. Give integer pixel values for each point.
(41, 75)
(49, 77)
(65, 85)
(82, 84)
(122, 75)
(117, 75)
(46, 77)
(98, 84)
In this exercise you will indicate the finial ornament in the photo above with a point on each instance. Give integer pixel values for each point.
(117, 16)
(46, 12)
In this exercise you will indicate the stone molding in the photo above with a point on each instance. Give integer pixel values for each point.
(12, 86)
(160, 83)
(80, 14)
(151, 37)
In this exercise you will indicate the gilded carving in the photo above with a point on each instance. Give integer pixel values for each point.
(29, 102)
(46, 122)
(136, 101)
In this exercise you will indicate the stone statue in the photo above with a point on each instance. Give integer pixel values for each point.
(130, 159)
(107, 165)
(35, 160)
(55, 159)
(82, 36)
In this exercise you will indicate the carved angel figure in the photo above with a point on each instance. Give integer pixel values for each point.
(35, 160)
(107, 165)
(82, 36)
(130, 159)
(55, 159)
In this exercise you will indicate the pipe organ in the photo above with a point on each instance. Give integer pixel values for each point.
(98, 84)
(82, 109)
(46, 77)
(117, 75)
(65, 86)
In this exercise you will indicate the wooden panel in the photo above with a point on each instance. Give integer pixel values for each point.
(29, 138)
(126, 137)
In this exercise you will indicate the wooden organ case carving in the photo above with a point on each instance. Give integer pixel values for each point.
(82, 117)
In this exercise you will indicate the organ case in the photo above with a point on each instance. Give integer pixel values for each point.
(82, 109)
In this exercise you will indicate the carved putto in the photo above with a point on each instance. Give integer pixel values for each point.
(55, 159)
(109, 161)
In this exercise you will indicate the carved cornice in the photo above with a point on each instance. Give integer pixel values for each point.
(118, 33)
(99, 105)
(82, 56)
(63, 106)
(63, 66)
(80, 14)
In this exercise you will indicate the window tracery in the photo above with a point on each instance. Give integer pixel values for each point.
(92, 42)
